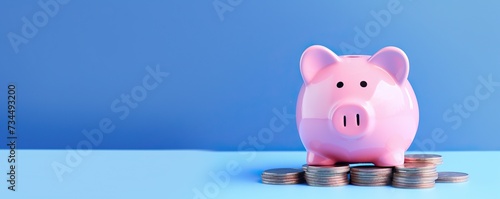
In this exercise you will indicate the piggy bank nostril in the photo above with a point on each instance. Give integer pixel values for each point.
(357, 119)
(345, 121)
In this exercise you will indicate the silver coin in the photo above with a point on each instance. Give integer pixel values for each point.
(288, 175)
(362, 175)
(283, 172)
(326, 178)
(413, 185)
(339, 179)
(371, 184)
(334, 184)
(338, 168)
(414, 180)
(319, 175)
(281, 182)
(371, 170)
(356, 175)
(281, 179)
(433, 174)
(361, 164)
(370, 179)
(327, 182)
(328, 185)
(434, 161)
(415, 167)
(424, 158)
(370, 174)
(448, 176)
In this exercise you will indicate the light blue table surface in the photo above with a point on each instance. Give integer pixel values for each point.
(206, 174)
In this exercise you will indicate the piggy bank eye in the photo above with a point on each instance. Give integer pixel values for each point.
(362, 84)
(340, 84)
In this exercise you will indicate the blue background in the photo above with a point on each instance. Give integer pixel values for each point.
(227, 75)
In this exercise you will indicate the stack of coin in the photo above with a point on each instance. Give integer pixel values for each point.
(415, 175)
(283, 176)
(418, 171)
(330, 176)
(423, 158)
(371, 176)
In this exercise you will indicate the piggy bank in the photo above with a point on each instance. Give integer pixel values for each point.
(356, 108)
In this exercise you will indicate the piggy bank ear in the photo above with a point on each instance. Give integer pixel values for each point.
(394, 61)
(314, 59)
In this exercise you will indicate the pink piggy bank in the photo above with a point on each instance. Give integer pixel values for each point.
(356, 108)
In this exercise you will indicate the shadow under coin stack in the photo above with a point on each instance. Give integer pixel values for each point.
(282, 176)
(327, 176)
(371, 176)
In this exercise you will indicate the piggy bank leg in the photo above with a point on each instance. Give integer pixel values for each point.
(316, 159)
(390, 159)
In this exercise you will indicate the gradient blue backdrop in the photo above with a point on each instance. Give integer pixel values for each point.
(228, 74)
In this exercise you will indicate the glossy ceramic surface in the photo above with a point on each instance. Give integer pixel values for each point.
(356, 108)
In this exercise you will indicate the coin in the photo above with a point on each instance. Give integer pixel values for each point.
(414, 179)
(413, 185)
(327, 184)
(447, 176)
(281, 182)
(338, 168)
(370, 180)
(433, 174)
(325, 176)
(424, 158)
(335, 175)
(371, 169)
(417, 172)
(371, 175)
(325, 180)
(371, 184)
(282, 179)
(415, 167)
(414, 175)
(282, 176)
(282, 172)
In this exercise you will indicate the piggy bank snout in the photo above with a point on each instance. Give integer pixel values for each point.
(351, 119)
